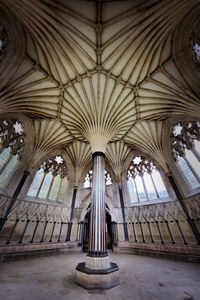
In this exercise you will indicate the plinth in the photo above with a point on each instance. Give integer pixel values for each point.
(97, 274)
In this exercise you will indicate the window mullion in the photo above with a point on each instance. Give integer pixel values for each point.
(41, 185)
(50, 186)
(145, 189)
(61, 181)
(154, 185)
(136, 189)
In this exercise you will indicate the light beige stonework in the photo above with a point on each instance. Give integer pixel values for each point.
(97, 262)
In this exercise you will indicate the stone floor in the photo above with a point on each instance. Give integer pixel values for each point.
(142, 278)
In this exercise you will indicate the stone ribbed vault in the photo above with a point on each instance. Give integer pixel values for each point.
(98, 72)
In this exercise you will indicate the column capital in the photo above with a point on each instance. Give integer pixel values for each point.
(98, 153)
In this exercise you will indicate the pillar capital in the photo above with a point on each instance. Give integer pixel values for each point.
(98, 153)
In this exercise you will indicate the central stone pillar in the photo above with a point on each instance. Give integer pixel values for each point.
(97, 272)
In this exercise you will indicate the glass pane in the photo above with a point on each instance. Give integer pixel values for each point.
(162, 192)
(32, 192)
(87, 183)
(187, 173)
(55, 188)
(149, 186)
(197, 146)
(9, 170)
(140, 187)
(4, 157)
(195, 163)
(45, 186)
(132, 190)
(63, 189)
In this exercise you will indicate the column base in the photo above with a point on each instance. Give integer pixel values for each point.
(97, 279)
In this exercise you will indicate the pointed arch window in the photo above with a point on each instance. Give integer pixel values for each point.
(88, 179)
(185, 143)
(144, 181)
(51, 180)
(12, 140)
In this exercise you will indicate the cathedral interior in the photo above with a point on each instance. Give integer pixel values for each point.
(99, 147)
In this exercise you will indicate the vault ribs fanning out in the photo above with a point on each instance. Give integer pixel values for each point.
(99, 129)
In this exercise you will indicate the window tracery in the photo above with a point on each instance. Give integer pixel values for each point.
(12, 140)
(185, 143)
(88, 179)
(51, 180)
(144, 181)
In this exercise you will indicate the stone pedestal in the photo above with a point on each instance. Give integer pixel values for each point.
(97, 279)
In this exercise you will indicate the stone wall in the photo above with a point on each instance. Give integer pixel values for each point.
(164, 224)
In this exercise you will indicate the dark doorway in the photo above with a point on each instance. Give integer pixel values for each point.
(109, 238)
(86, 232)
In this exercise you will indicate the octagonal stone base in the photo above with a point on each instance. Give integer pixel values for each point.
(97, 279)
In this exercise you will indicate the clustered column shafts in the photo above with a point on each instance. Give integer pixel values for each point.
(97, 245)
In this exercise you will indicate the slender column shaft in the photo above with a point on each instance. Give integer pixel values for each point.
(123, 213)
(54, 224)
(12, 231)
(97, 245)
(13, 199)
(134, 232)
(149, 227)
(23, 233)
(179, 227)
(114, 232)
(45, 226)
(161, 239)
(61, 225)
(140, 223)
(180, 199)
(69, 228)
(166, 222)
(36, 226)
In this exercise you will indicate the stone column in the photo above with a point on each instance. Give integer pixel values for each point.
(97, 272)
(69, 228)
(97, 245)
(126, 238)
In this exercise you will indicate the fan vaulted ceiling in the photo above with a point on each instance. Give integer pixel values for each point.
(100, 68)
